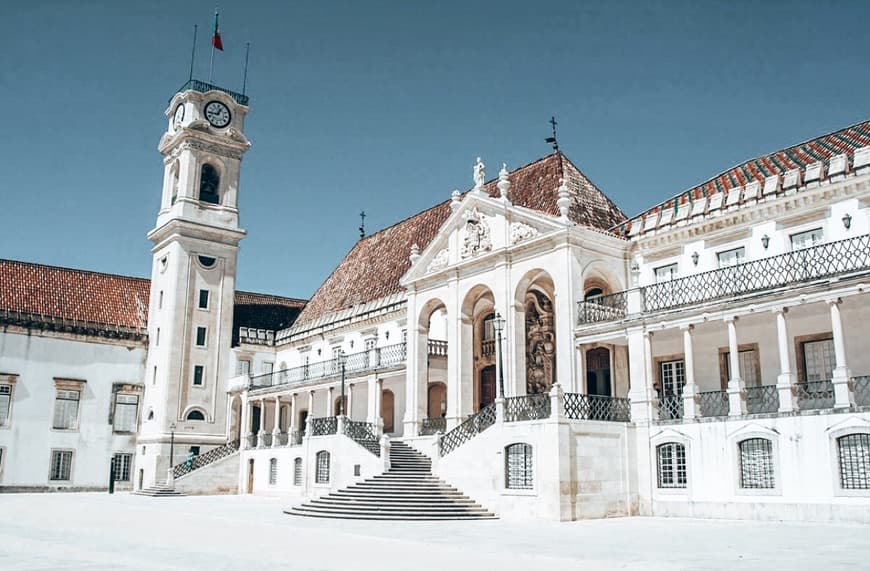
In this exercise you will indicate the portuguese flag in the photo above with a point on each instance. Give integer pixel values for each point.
(216, 38)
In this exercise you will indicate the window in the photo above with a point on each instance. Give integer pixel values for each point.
(371, 343)
(268, 367)
(5, 403)
(749, 367)
(61, 465)
(66, 410)
(154, 376)
(731, 257)
(203, 299)
(819, 360)
(195, 415)
(160, 300)
(126, 409)
(756, 464)
(594, 294)
(207, 262)
(806, 239)
(209, 182)
(297, 472)
(273, 471)
(322, 474)
(489, 327)
(243, 367)
(518, 470)
(123, 463)
(854, 455)
(671, 465)
(157, 338)
(673, 377)
(197, 375)
(200, 336)
(666, 273)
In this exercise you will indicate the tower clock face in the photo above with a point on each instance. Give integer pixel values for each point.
(217, 113)
(178, 117)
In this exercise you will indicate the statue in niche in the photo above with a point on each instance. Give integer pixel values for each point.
(476, 238)
(540, 344)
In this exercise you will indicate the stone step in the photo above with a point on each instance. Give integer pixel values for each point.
(394, 502)
(399, 511)
(392, 517)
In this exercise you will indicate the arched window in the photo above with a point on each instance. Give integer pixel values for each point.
(273, 471)
(671, 465)
(322, 474)
(195, 415)
(209, 183)
(297, 472)
(518, 470)
(594, 293)
(756, 464)
(853, 451)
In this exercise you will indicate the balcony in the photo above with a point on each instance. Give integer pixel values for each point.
(204, 87)
(602, 308)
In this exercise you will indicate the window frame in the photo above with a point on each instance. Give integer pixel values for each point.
(297, 471)
(67, 387)
(51, 464)
(739, 488)
(676, 447)
(807, 232)
(853, 429)
(201, 383)
(199, 303)
(115, 404)
(197, 411)
(322, 467)
(674, 275)
(201, 337)
(8, 382)
(273, 471)
(128, 456)
(527, 481)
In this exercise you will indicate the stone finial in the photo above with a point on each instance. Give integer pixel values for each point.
(564, 201)
(504, 184)
(455, 200)
(415, 253)
(479, 176)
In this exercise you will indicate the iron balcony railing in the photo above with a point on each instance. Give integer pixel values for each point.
(815, 395)
(812, 263)
(324, 425)
(713, 403)
(212, 455)
(266, 440)
(204, 87)
(763, 399)
(861, 386)
(602, 308)
(597, 407)
(433, 426)
(670, 407)
(526, 407)
(363, 433)
(373, 359)
(251, 441)
(473, 425)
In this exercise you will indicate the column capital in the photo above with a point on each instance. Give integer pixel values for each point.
(834, 301)
(687, 327)
(779, 309)
(730, 318)
(648, 334)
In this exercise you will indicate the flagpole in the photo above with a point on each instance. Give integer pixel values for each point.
(192, 53)
(245, 77)
(211, 61)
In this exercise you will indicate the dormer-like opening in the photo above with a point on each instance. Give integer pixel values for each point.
(209, 183)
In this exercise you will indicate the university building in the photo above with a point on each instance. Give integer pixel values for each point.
(521, 349)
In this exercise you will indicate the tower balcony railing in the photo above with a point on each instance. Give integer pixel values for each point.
(791, 268)
(203, 87)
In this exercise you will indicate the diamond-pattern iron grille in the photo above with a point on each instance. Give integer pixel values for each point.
(433, 426)
(670, 407)
(324, 425)
(815, 395)
(756, 464)
(763, 399)
(854, 454)
(519, 471)
(671, 458)
(597, 407)
(528, 407)
(861, 387)
(714, 403)
(204, 459)
(473, 425)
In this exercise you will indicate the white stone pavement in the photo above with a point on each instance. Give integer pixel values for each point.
(98, 531)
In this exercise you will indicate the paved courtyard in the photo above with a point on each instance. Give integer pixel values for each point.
(98, 531)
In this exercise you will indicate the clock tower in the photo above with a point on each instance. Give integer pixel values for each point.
(190, 317)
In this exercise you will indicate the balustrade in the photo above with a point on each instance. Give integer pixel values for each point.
(324, 425)
(714, 403)
(437, 348)
(861, 386)
(762, 399)
(670, 407)
(433, 426)
(597, 407)
(527, 407)
(815, 395)
(473, 425)
(201, 460)
(602, 308)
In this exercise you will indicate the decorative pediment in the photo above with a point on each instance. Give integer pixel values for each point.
(476, 236)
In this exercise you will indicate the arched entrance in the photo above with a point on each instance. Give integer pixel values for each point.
(598, 372)
(388, 411)
(437, 400)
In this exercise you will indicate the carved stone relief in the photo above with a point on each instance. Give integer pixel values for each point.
(521, 231)
(439, 260)
(477, 239)
(540, 343)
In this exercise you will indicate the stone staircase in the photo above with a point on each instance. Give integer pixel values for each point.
(407, 491)
(159, 490)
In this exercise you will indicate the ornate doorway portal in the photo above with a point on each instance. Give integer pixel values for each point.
(598, 372)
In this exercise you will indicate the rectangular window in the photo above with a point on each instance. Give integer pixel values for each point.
(123, 463)
(297, 472)
(268, 367)
(370, 344)
(519, 474)
(671, 465)
(243, 367)
(666, 273)
(806, 239)
(321, 475)
(673, 377)
(200, 336)
(756, 464)
(819, 360)
(273, 471)
(160, 300)
(61, 465)
(203, 299)
(157, 338)
(126, 412)
(154, 376)
(731, 257)
(5, 403)
(66, 410)
(748, 360)
(197, 375)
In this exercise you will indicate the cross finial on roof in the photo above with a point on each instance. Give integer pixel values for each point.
(362, 224)
(552, 140)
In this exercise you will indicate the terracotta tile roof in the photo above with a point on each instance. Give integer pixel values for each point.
(778, 163)
(373, 267)
(107, 299)
(263, 311)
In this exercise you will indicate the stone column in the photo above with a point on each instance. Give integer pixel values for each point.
(292, 426)
(330, 401)
(736, 387)
(349, 396)
(245, 421)
(580, 385)
(843, 396)
(379, 396)
(310, 413)
(261, 434)
(786, 379)
(690, 405)
(372, 413)
(276, 425)
(641, 392)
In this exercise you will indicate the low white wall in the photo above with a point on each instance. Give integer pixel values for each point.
(219, 477)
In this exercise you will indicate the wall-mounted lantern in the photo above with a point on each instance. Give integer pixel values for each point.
(847, 221)
(765, 241)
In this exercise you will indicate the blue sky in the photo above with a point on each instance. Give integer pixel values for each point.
(384, 105)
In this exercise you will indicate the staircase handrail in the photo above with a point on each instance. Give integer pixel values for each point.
(364, 434)
(471, 427)
(209, 457)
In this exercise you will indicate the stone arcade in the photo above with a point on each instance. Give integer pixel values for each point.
(522, 349)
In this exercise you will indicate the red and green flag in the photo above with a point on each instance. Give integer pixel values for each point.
(216, 37)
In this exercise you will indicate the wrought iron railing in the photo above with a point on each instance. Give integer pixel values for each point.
(280, 439)
(794, 267)
(473, 425)
(251, 441)
(433, 426)
(364, 361)
(602, 308)
(861, 388)
(204, 87)
(762, 399)
(597, 407)
(324, 425)
(527, 407)
(212, 455)
(266, 439)
(363, 433)
(670, 407)
(294, 438)
(437, 348)
(815, 394)
(714, 403)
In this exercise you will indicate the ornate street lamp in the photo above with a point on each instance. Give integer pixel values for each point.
(498, 325)
(172, 445)
(342, 359)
